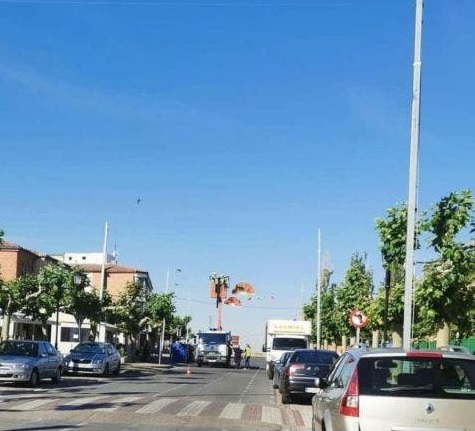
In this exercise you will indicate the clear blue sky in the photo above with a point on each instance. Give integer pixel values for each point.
(242, 126)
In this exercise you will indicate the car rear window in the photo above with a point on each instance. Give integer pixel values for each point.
(452, 378)
(314, 357)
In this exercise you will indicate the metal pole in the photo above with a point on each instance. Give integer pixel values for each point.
(319, 288)
(413, 167)
(104, 260)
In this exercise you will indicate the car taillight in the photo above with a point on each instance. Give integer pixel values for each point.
(291, 369)
(349, 400)
(294, 367)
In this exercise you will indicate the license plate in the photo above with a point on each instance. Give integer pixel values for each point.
(311, 390)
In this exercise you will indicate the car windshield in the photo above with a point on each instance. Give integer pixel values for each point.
(90, 348)
(405, 376)
(289, 343)
(212, 338)
(19, 348)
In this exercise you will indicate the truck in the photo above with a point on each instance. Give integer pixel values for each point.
(213, 347)
(283, 336)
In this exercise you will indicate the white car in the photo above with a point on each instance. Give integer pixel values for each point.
(392, 389)
(93, 357)
(29, 361)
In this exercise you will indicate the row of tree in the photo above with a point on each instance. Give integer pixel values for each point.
(444, 294)
(61, 288)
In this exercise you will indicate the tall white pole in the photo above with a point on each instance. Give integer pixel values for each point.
(319, 288)
(104, 261)
(413, 167)
(162, 335)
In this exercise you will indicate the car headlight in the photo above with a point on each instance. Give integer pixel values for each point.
(21, 366)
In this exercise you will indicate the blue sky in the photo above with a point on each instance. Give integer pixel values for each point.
(242, 126)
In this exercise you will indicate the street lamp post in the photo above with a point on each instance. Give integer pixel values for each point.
(77, 280)
(59, 293)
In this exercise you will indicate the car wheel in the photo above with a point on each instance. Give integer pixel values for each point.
(286, 398)
(34, 378)
(106, 370)
(117, 370)
(57, 377)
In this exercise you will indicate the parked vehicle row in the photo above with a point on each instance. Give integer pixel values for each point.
(30, 361)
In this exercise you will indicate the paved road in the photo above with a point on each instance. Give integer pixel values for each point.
(144, 397)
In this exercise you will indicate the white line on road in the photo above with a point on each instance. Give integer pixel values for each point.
(232, 411)
(156, 406)
(194, 408)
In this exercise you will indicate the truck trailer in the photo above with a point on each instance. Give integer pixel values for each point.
(282, 336)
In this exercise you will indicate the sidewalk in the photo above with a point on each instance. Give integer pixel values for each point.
(153, 365)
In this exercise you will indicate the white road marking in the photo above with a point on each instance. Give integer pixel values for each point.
(156, 406)
(232, 411)
(115, 405)
(194, 408)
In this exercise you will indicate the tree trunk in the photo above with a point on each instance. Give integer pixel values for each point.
(443, 336)
(6, 325)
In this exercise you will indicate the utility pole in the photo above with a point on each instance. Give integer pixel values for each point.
(104, 261)
(413, 168)
(319, 288)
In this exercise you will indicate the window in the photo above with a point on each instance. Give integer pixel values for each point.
(402, 376)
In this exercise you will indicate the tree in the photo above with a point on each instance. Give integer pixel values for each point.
(128, 311)
(57, 287)
(83, 302)
(387, 312)
(329, 326)
(15, 296)
(354, 292)
(445, 295)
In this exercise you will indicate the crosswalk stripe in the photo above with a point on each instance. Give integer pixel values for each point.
(115, 405)
(31, 405)
(156, 405)
(194, 408)
(232, 411)
(83, 401)
(272, 415)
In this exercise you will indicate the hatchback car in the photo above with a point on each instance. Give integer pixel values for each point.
(29, 361)
(92, 357)
(393, 389)
(301, 369)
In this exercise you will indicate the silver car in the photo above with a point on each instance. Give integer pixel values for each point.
(93, 357)
(392, 389)
(29, 361)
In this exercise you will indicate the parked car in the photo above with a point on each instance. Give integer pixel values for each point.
(29, 361)
(394, 389)
(277, 369)
(301, 369)
(92, 357)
